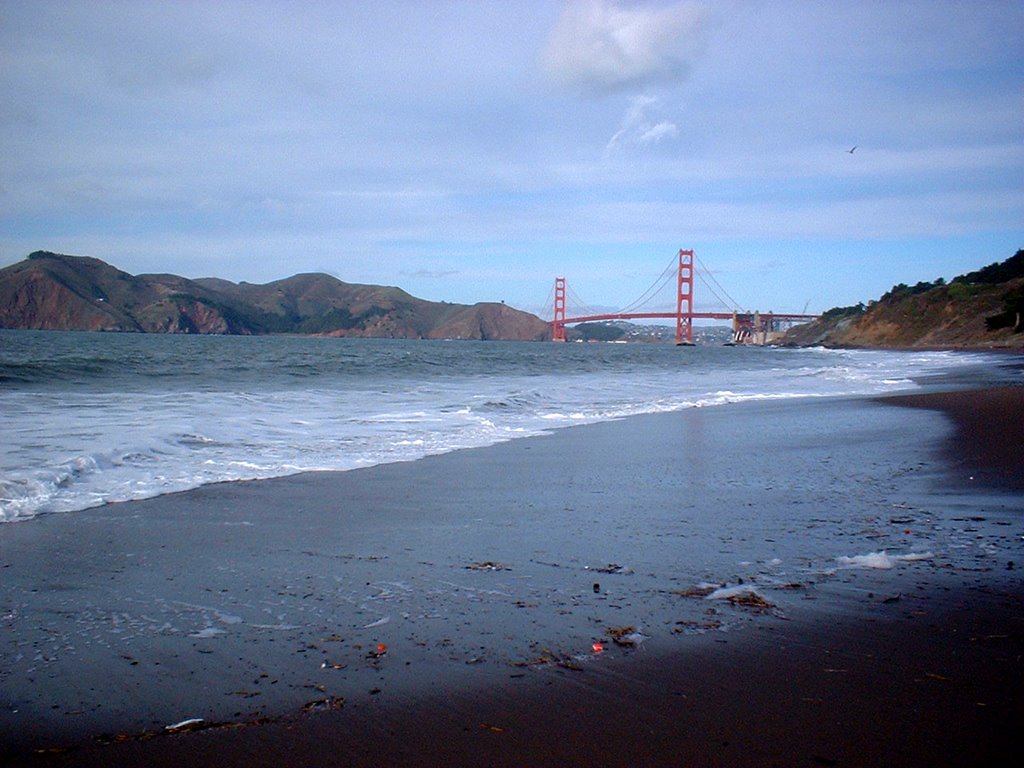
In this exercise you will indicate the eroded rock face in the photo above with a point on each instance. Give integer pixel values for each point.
(187, 317)
(37, 301)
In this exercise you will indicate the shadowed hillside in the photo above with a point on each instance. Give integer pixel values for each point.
(51, 291)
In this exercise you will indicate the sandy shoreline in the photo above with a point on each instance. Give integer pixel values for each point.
(367, 592)
(987, 449)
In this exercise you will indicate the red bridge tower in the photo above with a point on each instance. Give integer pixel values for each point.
(558, 326)
(684, 299)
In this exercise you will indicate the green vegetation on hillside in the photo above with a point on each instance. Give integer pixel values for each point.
(837, 313)
(999, 272)
(599, 332)
(902, 290)
(1012, 314)
(979, 309)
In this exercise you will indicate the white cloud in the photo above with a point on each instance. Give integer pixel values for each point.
(602, 46)
(658, 132)
(638, 129)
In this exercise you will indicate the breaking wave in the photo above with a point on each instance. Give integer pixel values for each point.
(95, 418)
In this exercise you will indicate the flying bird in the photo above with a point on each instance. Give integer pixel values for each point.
(850, 151)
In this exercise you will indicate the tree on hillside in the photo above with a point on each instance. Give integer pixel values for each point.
(999, 272)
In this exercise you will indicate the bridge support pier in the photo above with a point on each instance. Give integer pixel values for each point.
(753, 328)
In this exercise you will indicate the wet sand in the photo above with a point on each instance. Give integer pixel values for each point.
(987, 448)
(445, 611)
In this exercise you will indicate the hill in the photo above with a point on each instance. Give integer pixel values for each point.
(979, 310)
(52, 291)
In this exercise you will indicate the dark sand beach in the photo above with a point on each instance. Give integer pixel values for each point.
(446, 611)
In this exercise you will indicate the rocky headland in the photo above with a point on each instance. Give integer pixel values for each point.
(978, 310)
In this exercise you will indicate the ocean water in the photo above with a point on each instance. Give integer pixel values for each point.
(94, 418)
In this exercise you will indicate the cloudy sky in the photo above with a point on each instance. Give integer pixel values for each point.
(472, 151)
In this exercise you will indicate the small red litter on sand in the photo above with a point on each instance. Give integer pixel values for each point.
(598, 647)
(378, 652)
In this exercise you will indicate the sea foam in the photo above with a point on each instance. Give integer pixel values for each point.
(208, 410)
(881, 560)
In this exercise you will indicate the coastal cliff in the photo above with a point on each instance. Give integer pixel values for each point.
(50, 291)
(979, 310)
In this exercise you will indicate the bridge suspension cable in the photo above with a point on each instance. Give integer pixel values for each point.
(704, 273)
(548, 310)
(656, 287)
(711, 288)
(579, 306)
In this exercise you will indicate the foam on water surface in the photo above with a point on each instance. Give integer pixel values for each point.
(160, 414)
(881, 560)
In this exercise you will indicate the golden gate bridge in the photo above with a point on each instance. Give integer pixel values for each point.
(744, 324)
